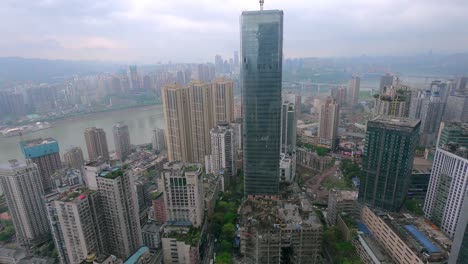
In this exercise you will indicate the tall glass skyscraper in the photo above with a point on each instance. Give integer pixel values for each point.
(388, 161)
(261, 68)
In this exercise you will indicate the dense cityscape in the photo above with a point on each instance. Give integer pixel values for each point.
(254, 158)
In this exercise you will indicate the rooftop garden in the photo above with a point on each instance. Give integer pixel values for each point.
(112, 174)
(192, 237)
(321, 151)
(191, 168)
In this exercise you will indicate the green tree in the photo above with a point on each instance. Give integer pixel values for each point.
(228, 231)
(224, 258)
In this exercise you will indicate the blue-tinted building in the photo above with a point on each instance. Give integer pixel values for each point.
(388, 161)
(261, 73)
(46, 154)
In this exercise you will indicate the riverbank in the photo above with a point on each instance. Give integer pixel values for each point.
(97, 114)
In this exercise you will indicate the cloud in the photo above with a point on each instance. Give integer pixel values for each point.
(147, 31)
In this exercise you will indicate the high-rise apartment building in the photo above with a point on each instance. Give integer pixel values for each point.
(191, 112)
(45, 153)
(431, 116)
(96, 143)
(176, 106)
(388, 161)
(77, 227)
(22, 188)
(223, 101)
(354, 87)
(457, 107)
(223, 149)
(12, 103)
(122, 144)
(158, 140)
(328, 123)
(201, 119)
(340, 94)
(182, 185)
(393, 101)
(119, 206)
(385, 81)
(448, 186)
(74, 158)
(261, 71)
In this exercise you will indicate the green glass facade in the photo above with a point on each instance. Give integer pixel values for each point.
(453, 132)
(261, 73)
(388, 162)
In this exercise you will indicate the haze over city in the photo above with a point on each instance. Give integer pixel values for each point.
(233, 132)
(145, 31)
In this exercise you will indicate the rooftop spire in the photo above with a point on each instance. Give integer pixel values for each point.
(261, 4)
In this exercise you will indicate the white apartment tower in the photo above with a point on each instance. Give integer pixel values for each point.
(21, 185)
(447, 188)
(182, 185)
(223, 149)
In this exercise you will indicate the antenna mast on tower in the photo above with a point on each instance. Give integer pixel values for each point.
(261, 4)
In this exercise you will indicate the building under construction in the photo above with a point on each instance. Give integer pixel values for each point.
(281, 231)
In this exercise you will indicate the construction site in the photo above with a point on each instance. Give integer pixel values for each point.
(280, 231)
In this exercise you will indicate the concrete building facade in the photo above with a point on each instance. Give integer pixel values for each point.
(74, 158)
(96, 143)
(122, 144)
(182, 187)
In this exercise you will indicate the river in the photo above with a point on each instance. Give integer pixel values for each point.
(70, 132)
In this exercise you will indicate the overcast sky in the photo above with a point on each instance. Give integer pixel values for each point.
(148, 31)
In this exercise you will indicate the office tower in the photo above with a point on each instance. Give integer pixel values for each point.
(123, 148)
(22, 188)
(159, 139)
(206, 73)
(385, 81)
(134, 78)
(447, 187)
(74, 158)
(457, 107)
(388, 161)
(219, 64)
(354, 86)
(190, 112)
(119, 208)
(223, 101)
(96, 143)
(261, 71)
(431, 115)
(453, 132)
(328, 123)
(77, 227)
(187, 75)
(182, 187)
(223, 149)
(459, 253)
(45, 153)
